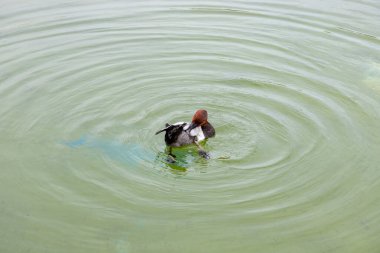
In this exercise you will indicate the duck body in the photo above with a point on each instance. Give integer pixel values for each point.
(183, 133)
(178, 134)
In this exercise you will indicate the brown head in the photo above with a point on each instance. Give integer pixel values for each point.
(199, 119)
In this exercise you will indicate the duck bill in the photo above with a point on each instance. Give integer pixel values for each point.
(192, 126)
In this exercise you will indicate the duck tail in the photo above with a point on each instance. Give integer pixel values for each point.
(163, 130)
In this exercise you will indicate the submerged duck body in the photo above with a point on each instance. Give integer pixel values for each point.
(183, 133)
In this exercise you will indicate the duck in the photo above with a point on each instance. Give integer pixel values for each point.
(186, 133)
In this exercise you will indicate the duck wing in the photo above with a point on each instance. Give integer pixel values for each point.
(172, 133)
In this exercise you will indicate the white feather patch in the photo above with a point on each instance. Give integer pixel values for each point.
(195, 131)
(178, 123)
(198, 133)
(186, 126)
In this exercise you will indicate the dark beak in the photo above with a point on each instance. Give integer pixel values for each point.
(192, 126)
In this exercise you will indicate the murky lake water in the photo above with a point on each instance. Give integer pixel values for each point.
(292, 88)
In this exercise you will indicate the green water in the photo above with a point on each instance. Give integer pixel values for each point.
(292, 88)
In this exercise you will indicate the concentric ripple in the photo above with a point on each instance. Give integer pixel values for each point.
(292, 89)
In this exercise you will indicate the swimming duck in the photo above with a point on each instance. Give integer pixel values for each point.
(183, 133)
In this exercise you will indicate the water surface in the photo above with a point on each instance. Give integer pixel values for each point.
(292, 87)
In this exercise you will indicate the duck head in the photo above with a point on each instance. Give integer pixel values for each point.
(199, 119)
